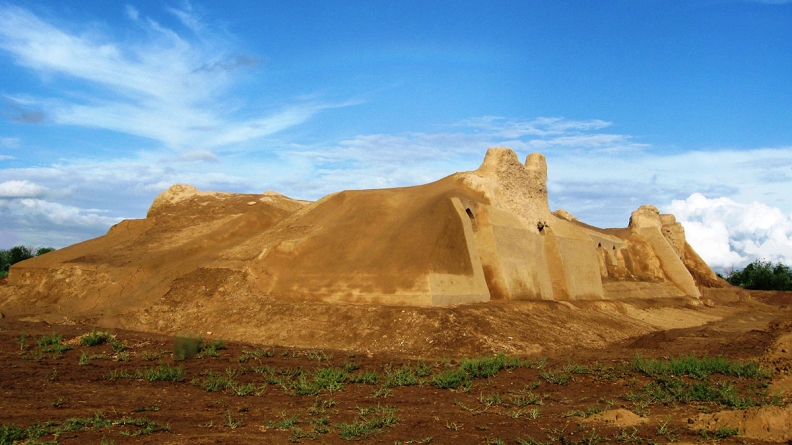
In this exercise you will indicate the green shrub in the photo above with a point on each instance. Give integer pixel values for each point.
(762, 275)
(186, 347)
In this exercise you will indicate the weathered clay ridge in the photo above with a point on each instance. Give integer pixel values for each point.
(474, 236)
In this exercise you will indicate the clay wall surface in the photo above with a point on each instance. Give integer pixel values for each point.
(471, 237)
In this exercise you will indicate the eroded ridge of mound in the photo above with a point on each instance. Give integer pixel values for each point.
(475, 236)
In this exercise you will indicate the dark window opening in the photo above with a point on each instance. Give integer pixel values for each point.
(470, 213)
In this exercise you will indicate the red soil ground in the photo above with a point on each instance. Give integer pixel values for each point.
(39, 387)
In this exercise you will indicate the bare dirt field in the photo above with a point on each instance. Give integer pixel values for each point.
(551, 373)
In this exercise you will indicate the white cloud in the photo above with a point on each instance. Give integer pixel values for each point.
(20, 189)
(138, 86)
(62, 215)
(132, 12)
(198, 155)
(44, 223)
(728, 234)
(8, 142)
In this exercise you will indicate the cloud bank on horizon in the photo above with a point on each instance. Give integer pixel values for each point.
(102, 109)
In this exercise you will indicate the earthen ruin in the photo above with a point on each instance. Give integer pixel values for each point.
(474, 236)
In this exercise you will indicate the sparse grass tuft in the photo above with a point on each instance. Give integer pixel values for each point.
(164, 372)
(254, 354)
(51, 343)
(365, 427)
(555, 377)
(215, 381)
(94, 338)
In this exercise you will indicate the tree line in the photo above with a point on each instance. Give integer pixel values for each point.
(17, 254)
(762, 275)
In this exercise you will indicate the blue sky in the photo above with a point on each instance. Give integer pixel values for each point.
(686, 105)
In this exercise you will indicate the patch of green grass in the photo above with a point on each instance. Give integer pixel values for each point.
(576, 369)
(210, 348)
(531, 441)
(450, 378)
(151, 355)
(558, 378)
(285, 424)
(319, 356)
(525, 398)
(404, 376)
(231, 422)
(164, 372)
(632, 437)
(141, 426)
(254, 354)
(423, 369)
(666, 431)
(116, 374)
(10, 433)
(490, 399)
(721, 433)
(366, 377)
(697, 367)
(97, 422)
(320, 406)
(51, 339)
(310, 384)
(94, 338)
(670, 390)
(215, 381)
(483, 367)
(574, 413)
(364, 427)
(52, 343)
(85, 359)
(382, 391)
(22, 341)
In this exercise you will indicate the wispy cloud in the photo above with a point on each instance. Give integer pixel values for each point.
(9, 142)
(18, 113)
(165, 86)
(543, 126)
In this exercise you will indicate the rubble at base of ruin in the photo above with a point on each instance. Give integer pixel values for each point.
(474, 236)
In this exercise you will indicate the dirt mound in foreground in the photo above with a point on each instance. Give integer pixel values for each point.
(773, 423)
